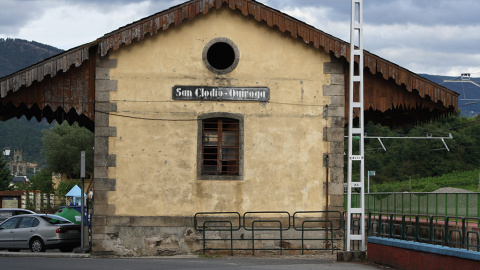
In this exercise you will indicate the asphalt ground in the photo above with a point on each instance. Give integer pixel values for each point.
(83, 261)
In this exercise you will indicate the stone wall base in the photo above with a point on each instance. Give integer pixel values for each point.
(168, 236)
(144, 236)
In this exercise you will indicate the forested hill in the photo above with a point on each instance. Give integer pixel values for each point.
(404, 159)
(469, 99)
(16, 54)
(24, 135)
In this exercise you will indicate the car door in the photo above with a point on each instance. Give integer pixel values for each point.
(7, 230)
(24, 231)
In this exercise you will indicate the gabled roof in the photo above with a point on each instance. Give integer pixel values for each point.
(19, 179)
(175, 16)
(75, 192)
(12, 193)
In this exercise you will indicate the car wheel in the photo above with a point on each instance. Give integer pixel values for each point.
(37, 245)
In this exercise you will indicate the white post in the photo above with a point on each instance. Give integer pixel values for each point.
(82, 201)
(372, 173)
(356, 131)
(368, 179)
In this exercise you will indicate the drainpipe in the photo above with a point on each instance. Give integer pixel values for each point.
(326, 200)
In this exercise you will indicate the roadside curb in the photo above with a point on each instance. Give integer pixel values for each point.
(45, 255)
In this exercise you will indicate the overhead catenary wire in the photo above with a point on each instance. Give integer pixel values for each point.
(428, 137)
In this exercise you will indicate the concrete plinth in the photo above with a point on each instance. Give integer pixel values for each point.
(351, 256)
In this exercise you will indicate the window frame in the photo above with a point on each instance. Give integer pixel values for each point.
(30, 225)
(235, 49)
(200, 121)
(14, 219)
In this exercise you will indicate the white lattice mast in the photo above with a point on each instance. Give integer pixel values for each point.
(356, 130)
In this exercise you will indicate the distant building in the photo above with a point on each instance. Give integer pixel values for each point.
(18, 166)
(16, 180)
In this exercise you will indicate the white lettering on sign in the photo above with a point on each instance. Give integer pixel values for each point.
(202, 93)
(183, 93)
(247, 94)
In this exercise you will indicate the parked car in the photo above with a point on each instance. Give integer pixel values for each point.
(39, 232)
(5, 213)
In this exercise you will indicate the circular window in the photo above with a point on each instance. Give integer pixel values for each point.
(221, 55)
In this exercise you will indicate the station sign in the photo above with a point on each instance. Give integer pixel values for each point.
(261, 94)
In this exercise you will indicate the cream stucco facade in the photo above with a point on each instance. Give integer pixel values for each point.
(154, 180)
(283, 141)
(160, 158)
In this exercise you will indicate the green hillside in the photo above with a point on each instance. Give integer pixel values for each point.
(16, 54)
(467, 180)
(26, 136)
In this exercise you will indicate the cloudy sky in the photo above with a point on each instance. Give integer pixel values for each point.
(440, 37)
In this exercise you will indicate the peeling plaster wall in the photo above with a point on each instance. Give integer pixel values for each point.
(148, 190)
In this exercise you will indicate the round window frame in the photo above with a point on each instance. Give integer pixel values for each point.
(236, 52)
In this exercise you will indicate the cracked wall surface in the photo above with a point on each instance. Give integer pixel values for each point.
(147, 190)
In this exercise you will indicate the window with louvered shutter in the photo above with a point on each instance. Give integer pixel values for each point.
(220, 146)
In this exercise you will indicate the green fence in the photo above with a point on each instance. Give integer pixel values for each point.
(444, 204)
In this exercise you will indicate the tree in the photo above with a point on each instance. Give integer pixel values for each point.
(64, 187)
(62, 148)
(5, 176)
(414, 158)
(42, 181)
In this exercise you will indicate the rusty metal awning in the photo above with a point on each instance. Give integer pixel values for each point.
(51, 97)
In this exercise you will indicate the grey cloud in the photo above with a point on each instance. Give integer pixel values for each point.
(108, 3)
(157, 6)
(426, 39)
(15, 14)
(154, 5)
(458, 12)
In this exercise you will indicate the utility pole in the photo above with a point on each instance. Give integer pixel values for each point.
(465, 78)
(356, 107)
(372, 173)
(82, 175)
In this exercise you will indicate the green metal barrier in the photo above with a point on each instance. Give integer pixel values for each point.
(421, 203)
(450, 231)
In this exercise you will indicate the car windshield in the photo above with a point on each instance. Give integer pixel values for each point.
(55, 220)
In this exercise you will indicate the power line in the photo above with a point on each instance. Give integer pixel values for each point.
(465, 77)
(147, 118)
(272, 102)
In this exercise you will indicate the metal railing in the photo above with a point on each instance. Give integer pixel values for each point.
(355, 228)
(256, 231)
(418, 203)
(451, 231)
